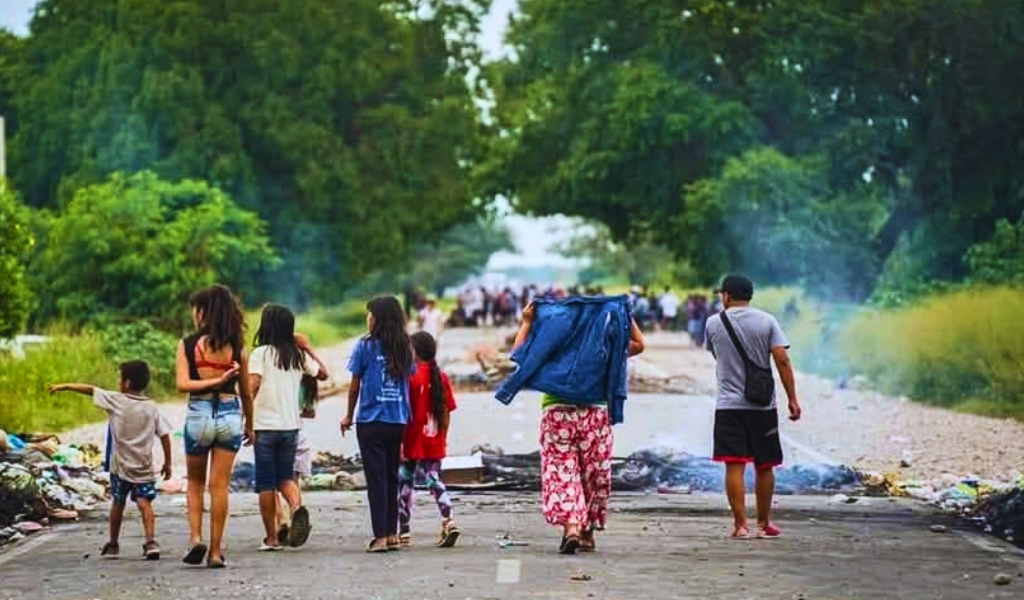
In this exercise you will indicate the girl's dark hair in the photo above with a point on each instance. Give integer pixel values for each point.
(222, 319)
(277, 329)
(426, 350)
(389, 331)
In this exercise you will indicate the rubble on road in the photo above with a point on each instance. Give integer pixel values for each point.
(43, 480)
(486, 367)
(665, 471)
(997, 507)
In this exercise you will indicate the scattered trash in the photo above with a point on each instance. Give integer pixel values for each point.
(842, 499)
(506, 541)
(938, 529)
(1002, 579)
(581, 577)
(42, 480)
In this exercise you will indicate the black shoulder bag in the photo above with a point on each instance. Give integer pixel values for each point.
(759, 384)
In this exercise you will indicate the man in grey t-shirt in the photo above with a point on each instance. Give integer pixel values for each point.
(747, 432)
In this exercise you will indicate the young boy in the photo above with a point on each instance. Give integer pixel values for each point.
(135, 422)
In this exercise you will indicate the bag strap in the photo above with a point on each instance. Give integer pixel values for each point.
(736, 342)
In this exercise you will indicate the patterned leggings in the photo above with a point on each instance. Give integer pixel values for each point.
(576, 455)
(431, 470)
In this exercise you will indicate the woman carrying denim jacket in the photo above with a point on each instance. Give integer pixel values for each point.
(576, 453)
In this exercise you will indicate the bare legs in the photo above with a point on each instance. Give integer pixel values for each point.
(220, 464)
(735, 490)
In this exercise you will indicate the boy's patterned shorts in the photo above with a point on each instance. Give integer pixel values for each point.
(121, 489)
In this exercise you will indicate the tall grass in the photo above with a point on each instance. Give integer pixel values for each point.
(963, 349)
(25, 405)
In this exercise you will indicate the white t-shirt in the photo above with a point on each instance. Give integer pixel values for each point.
(432, 321)
(135, 424)
(276, 406)
(669, 305)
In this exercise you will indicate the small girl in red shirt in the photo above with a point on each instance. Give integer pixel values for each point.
(425, 441)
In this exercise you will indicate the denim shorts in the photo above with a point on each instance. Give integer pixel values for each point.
(121, 489)
(213, 424)
(275, 458)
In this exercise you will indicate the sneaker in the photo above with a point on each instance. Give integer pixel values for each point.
(151, 550)
(300, 528)
(110, 550)
(449, 534)
(769, 531)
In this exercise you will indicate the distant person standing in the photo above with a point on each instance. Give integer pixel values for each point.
(669, 304)
(743, 341)
(431, 319)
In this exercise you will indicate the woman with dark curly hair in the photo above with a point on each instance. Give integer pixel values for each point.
(212, 367)
(381, 365)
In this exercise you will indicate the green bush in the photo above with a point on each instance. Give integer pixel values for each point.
(135, 247)
(141, 341)
(961, 349)
(16, 240)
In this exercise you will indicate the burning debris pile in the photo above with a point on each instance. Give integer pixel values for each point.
(667, 470)
(43, 480)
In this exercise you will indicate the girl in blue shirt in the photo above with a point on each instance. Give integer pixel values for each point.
(381, 365)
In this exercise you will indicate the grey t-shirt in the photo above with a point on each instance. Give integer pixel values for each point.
(759, 332)
(135, 424)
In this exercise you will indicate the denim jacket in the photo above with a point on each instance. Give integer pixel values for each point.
(576, 350)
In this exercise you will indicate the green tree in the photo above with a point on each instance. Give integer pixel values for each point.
(462, 252)
(1000, 260)
(626, 111)
(349, 129)
(135, 247)
(16, 241)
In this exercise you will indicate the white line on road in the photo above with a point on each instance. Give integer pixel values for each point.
(508, 571)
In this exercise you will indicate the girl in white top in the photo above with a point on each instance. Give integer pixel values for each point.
(276, 367)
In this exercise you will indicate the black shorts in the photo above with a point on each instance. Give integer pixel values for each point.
(748, 436)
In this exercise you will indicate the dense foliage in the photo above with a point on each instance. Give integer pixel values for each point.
(843, 145)
(16, 240)
(135, 247)
(347, 127)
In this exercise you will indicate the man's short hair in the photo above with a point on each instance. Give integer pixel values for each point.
(136, 373)
(738, 287)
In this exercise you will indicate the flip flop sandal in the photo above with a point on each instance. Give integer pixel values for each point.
(375, 549)
(265, 547)
(110, 551)
(449, 536)
(394, 546)
(405, 540)
(300, 527)
(569, 545)
(740, 534)
(769, 532)
(215, 563)
(195, 555)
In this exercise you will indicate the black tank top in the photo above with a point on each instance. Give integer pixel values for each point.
(190, 342)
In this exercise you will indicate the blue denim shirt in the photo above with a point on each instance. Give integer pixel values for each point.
(576, 350)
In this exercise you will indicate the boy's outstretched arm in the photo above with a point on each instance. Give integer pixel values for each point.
(81, 388)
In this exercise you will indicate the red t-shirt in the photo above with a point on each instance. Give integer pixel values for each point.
(424, 439)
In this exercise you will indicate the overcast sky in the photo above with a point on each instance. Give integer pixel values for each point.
(532, 236)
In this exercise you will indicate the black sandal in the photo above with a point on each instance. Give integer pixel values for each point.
(569, 545)
(195, 555)
(215, 563)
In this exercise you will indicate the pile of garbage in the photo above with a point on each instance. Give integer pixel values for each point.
(43, 480)
(329, 472)
(997, 507)
(669, 471)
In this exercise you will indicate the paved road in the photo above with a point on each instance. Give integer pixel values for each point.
(656, 546)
